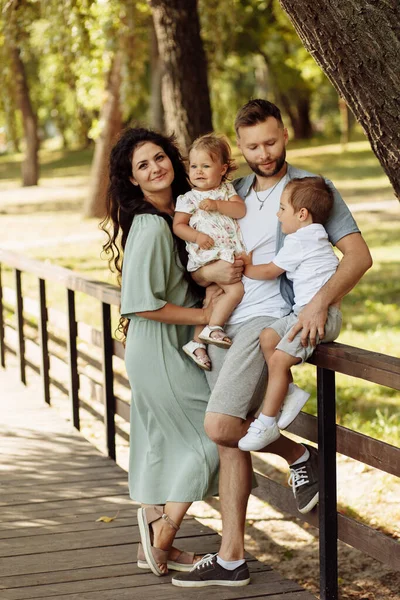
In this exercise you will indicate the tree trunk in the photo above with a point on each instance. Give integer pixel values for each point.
(344, 122)
(185, 91)
(357, 45)
(30, 165)
(111, 116)
(156, 116)
(298, 113)
(304, 125)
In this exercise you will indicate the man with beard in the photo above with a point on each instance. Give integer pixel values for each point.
(238, 377)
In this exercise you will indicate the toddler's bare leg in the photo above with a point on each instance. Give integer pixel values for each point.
(226, 304)
(198, 329)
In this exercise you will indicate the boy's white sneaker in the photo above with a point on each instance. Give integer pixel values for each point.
(258, 436)
(294, 401)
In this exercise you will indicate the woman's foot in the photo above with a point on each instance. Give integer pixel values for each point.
(178, 560)
(157, 533)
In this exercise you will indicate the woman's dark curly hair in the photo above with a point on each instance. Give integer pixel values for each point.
(125, 200)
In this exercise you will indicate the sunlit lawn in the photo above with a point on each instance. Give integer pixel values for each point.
(371, 312)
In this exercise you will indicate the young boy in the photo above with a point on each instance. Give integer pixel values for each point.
(308, 259)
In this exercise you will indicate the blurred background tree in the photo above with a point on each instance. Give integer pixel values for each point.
(80, 70)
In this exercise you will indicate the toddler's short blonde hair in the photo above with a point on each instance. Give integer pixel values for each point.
(218, 148)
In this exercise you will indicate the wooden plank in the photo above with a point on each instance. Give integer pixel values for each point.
(65, 507)
(371, 366)
(17, 482)
(372, 542)
(78, 575)
(96, 534)
(143, 580)
(94, 556)
(43, 494)
(356, 445)
(189, 527)
(14, 530)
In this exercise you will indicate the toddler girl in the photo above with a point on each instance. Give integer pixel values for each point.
(205, 218)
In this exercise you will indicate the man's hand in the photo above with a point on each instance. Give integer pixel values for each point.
(204, 241)
(208, 205)
(311, 320)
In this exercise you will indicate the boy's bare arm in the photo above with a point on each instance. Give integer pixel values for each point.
(263, 272)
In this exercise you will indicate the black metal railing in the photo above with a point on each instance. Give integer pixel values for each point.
(328, 358)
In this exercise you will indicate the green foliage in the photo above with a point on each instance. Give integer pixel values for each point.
(253, 50)
(67, 48)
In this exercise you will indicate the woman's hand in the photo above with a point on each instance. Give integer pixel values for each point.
(208, 205)
(213, 293)
(204, 241)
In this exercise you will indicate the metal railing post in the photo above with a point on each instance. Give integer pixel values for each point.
(43, 337)
(20, 325)
(73, 359)
(108, 380)
(328, 529)
(2, 339)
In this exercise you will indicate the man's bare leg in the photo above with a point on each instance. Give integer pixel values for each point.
(234, 491)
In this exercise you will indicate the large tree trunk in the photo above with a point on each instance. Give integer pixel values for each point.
(356, 43)
(30, 164)
(156, 112)
(111, 116)
(185, 91)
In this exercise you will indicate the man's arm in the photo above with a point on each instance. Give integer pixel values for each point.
(355, 262)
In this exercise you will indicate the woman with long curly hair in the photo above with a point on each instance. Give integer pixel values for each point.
(172, 461)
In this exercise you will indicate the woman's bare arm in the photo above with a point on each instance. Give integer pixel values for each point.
(177, 315)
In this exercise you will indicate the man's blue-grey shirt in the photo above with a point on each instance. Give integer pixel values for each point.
(339, 224)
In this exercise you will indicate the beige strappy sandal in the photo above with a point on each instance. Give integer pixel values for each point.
(184, 562)
(154, 556)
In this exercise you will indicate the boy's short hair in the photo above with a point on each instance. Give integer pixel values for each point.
(217, 146)
(312, 193)
(256, 111)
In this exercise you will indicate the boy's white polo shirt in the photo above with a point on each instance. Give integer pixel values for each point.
(309, 261)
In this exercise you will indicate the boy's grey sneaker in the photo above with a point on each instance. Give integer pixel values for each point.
(304, 481)
(208, 572)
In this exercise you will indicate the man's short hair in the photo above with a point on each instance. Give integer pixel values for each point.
(312, 193)
(256, 111)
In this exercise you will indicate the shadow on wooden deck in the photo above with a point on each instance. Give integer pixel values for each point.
(54, 485)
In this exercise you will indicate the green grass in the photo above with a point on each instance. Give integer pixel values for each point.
(371, 311)
(56, 163)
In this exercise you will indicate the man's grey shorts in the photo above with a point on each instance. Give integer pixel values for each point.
(238, 378)
(294, 348)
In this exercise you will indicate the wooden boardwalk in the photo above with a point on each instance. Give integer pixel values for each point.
(54, 485)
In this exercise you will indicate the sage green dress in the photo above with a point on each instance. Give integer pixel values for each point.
(171, 457)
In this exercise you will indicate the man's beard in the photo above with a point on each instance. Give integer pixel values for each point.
(279, 164)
